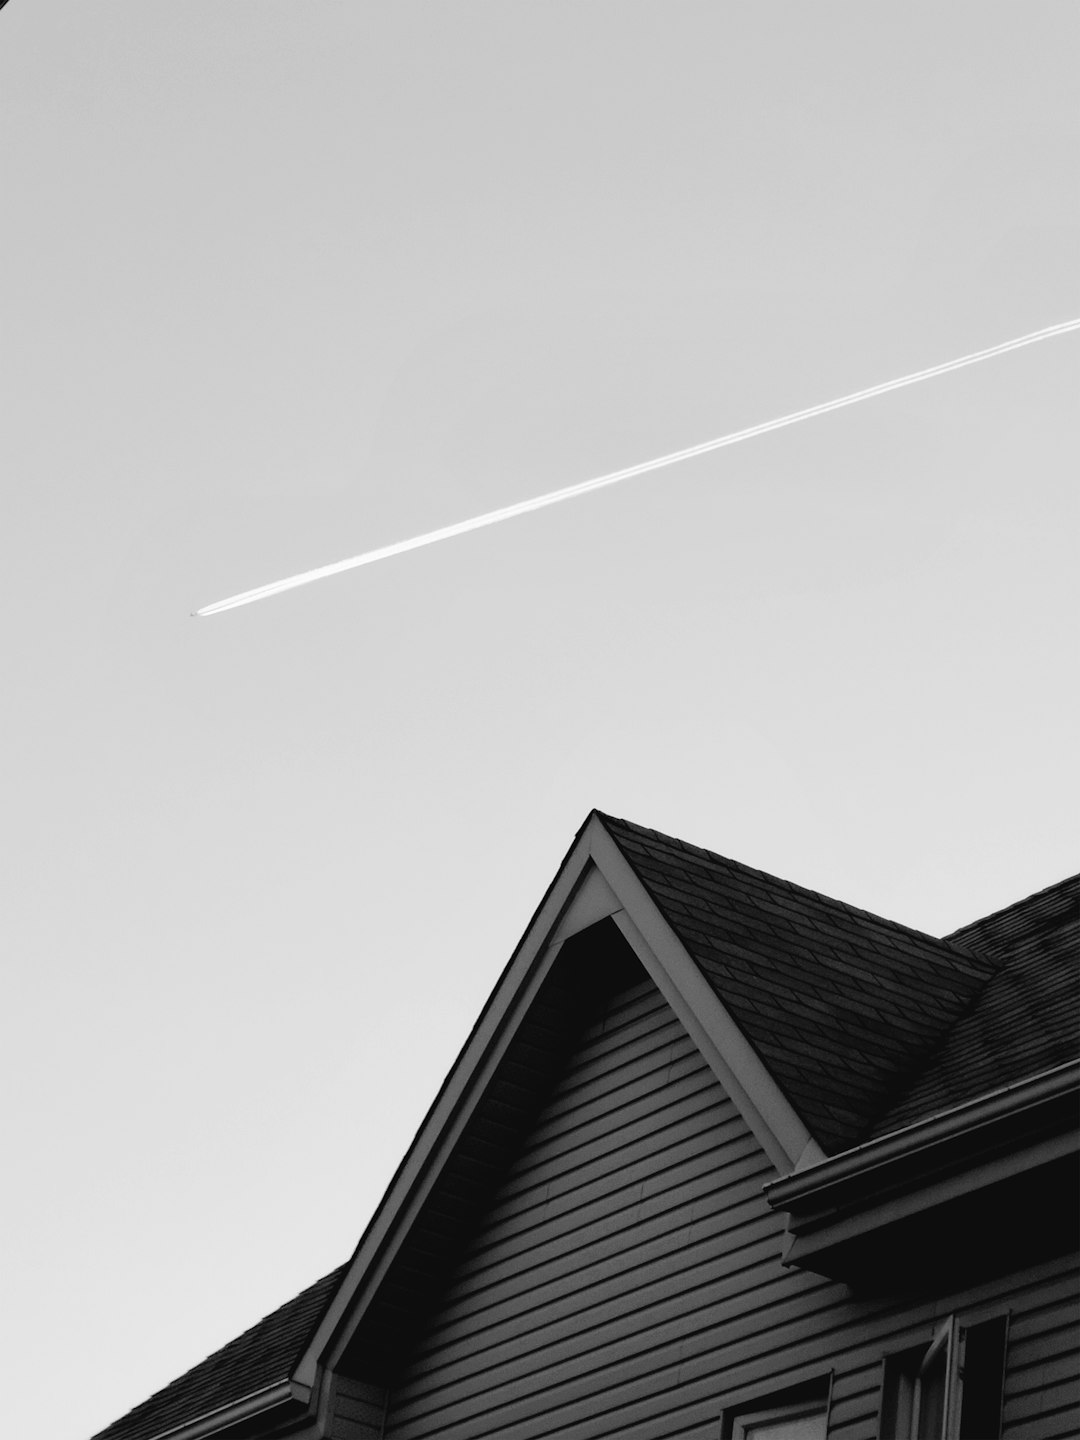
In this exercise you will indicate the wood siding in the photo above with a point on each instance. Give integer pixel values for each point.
(626, 1279)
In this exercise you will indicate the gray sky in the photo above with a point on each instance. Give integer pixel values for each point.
(284, 282)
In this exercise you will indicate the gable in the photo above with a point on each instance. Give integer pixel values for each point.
(634, 1195)
(591, 965)
(547, 992)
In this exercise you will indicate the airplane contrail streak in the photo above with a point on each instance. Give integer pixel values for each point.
(614, 477)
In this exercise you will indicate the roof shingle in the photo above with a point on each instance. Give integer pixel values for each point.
(1024, 1021)
(260, 1357)
(843, 1007)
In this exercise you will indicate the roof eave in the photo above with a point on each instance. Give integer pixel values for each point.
(862, 1192)
(816, 1180)
(285, 1399)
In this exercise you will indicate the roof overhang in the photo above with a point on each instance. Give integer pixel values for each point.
(274, 1407)
(846, 1210)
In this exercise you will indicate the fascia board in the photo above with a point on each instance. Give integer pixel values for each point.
(804, 1246)
(284, 1395)
(901, 1145)
(450, 1112)
(734, 1061)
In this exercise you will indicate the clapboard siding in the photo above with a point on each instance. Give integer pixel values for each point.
(626, 1279)
(635, 1205)
(635, 1102)
(856, 1398)
(611, 1224)
(535, 1346)
(856, 1387)
(1042, 1376)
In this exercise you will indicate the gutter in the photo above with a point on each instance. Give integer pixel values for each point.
(922, 1136)
(283, 1395)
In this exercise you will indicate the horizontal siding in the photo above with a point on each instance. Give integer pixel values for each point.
(1042, 1374)
(607, 1223)
(626, 1279)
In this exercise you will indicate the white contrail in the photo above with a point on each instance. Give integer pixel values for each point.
(571, 492)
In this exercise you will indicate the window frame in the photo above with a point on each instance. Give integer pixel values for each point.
(904, 1375)
(771, 1414)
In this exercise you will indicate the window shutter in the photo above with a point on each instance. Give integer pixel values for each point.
(982, 1379)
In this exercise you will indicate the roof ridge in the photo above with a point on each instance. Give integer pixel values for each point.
(1016, 907)
(819, 895)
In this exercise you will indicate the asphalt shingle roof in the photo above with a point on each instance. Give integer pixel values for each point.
(1025, 1020)
(843, 1007)
(260, 1357)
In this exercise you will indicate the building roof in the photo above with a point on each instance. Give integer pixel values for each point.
(842, 1006)
(260, 1357)
(866, 1026)
(1023, 1021)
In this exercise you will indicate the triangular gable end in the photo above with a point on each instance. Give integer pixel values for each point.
(595, 883)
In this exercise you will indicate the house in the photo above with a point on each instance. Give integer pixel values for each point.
(722, 1157)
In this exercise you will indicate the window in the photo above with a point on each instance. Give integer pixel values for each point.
(781, 1422)
(916, 1387)
(949, 1389)
(982, 1378)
